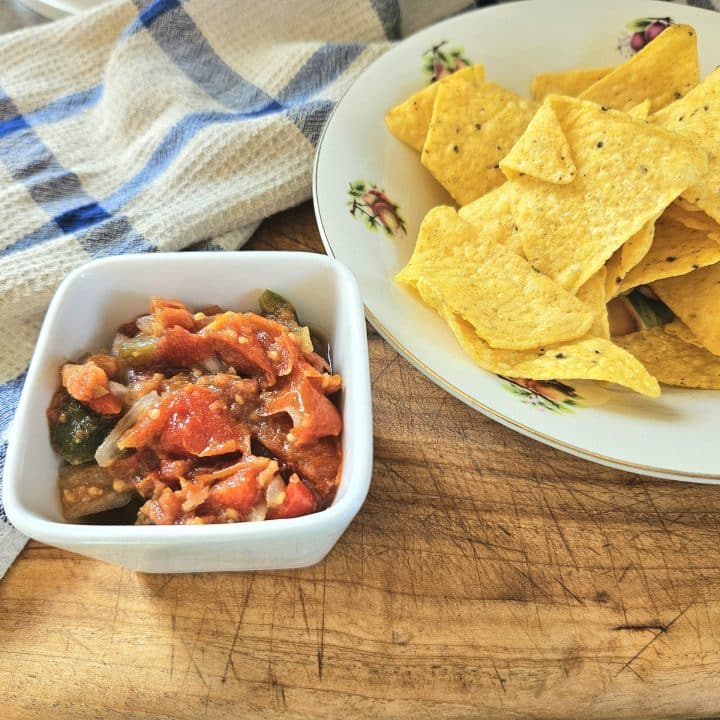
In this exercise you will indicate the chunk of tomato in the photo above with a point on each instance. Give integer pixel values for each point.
(298, 501)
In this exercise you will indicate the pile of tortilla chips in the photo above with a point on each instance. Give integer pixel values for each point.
(587, 241)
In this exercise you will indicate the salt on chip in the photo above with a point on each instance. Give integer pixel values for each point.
(542, 151)
(628, 171)
(672, 360)
(627, 257)
(491, 216)
(695, 299)
(676, 250)
(697, 115)
(592, 294)
(584, 359)
(409, 120)
(665, 69)
(567, 82)
(509, 303)
(473, 126)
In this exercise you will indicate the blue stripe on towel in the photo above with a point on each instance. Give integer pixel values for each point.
(182, 41)
(168, 150)
(178, 36)
(55, 111)
(109, 235)
(388, 11)
(82, 217)
(11, 125)
(113, 236)
(45, 232)
(324, 66)
(58, 190)
(8, 109)
(310, 118)
(31, 162)
(65, 107)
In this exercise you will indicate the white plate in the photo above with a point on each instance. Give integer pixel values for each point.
(60, 8)
(674, 436)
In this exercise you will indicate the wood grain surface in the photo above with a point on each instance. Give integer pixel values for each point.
(487, 576)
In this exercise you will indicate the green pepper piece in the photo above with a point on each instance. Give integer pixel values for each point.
(651, 312)
(276, 307)
(78, 430)
(138, 351)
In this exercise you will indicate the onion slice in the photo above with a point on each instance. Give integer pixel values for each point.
(146, 325)
(258, 512)
(108, 452)
(213, 365)
(275, 492)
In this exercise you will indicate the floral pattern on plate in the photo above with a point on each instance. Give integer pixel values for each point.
(549, 395)
(371, 203)
(439, 61)
(640, 32)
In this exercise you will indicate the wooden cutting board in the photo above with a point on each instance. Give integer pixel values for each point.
(487, 576)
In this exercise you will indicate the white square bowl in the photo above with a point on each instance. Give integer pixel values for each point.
(83, 316)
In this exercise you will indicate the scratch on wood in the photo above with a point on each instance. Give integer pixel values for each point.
(643, 626)
(321, 639)
(560, 530)
(229, 662)
(191, 654)
(117, 603)
(663, 631)
(624, 572)
(499, 677)
(569, 591)
(652, 504)
(302, 604)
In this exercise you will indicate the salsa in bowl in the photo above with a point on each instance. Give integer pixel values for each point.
(202, 416)
(85, 315)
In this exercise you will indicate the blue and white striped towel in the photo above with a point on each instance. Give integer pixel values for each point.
(158, 125)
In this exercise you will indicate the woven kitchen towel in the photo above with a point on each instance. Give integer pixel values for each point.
(158, 125)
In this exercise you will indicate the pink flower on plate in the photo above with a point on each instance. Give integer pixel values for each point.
(550, 395)
(378, 210)
(641, 32)
(439, 62)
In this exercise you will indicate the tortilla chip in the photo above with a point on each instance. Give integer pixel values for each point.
(665, 69)
(697, 115)
(567, 82)
(473, 126)
(492, 217)
(627, 257)
(569, 231)
(409, 121)
(592, 294)
(585, 359)
(695, 218)
(640, 111)
(695, 299)
(672, 360)
(436, 242)
(680, 330)
(509, 304)
(542, 151)
(676, 250)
